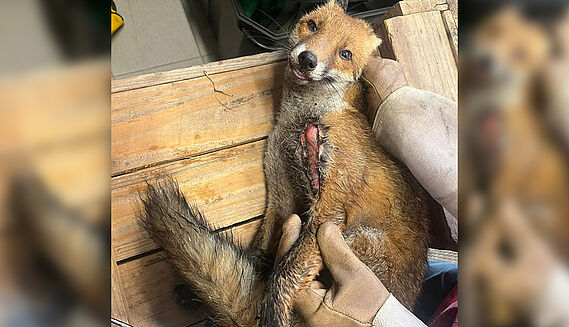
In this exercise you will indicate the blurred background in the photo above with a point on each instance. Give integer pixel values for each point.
(513, 176)
(54, 163)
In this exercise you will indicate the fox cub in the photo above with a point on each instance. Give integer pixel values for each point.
(321, 162)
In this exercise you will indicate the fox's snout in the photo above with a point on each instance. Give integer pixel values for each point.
(307, 60)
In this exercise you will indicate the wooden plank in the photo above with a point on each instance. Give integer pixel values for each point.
(227, 185)
(181, 119)
(408, 7)
(149, 281)
(453, 7)
(177, 75)
(443, 255)
(119, 304)
(452, 32)
(420, 43)
(54, 107)
(148, 284)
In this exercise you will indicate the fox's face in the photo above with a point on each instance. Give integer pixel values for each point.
(330, 45)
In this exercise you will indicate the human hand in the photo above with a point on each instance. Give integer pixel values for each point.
(356, 294)
(382, 77)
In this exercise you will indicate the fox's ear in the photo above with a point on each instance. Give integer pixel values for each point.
(376, 53)
(342, 3)
(378, 42)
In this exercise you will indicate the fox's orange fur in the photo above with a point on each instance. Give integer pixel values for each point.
(320, 162)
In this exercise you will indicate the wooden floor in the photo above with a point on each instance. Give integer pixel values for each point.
(206, 126)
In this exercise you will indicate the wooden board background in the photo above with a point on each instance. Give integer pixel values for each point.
(212, 142)
(422, 35)
(174, 123)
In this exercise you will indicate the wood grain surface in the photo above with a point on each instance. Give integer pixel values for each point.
(181, 119)
(149, 282)
(227, 185)
(420, 43)
(176, 75)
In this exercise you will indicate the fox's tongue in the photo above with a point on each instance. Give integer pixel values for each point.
(298, 74)
(310, 143)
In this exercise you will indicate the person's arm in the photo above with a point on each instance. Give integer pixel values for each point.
(357, 297)
(418, 127)
(394, 314)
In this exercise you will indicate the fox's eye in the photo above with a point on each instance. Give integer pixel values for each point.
(346, 54)
(312, 26)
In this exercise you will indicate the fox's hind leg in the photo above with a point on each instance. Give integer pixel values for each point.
(295, 272)
(377, 251)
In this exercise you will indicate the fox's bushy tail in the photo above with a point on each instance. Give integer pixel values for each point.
(226, 277)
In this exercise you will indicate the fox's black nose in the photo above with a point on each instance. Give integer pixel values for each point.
(307, 60)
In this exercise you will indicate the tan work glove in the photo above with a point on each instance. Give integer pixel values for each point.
(355, 295)
(420, 128)
(382, 77)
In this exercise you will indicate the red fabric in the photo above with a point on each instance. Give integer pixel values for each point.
(447, 312)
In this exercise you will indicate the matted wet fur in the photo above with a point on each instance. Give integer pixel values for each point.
(321, 161)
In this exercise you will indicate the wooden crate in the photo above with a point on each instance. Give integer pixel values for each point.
(422, 35)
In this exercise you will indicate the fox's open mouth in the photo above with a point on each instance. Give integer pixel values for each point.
(297, 72)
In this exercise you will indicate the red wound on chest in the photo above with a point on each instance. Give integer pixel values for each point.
(311, 140)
